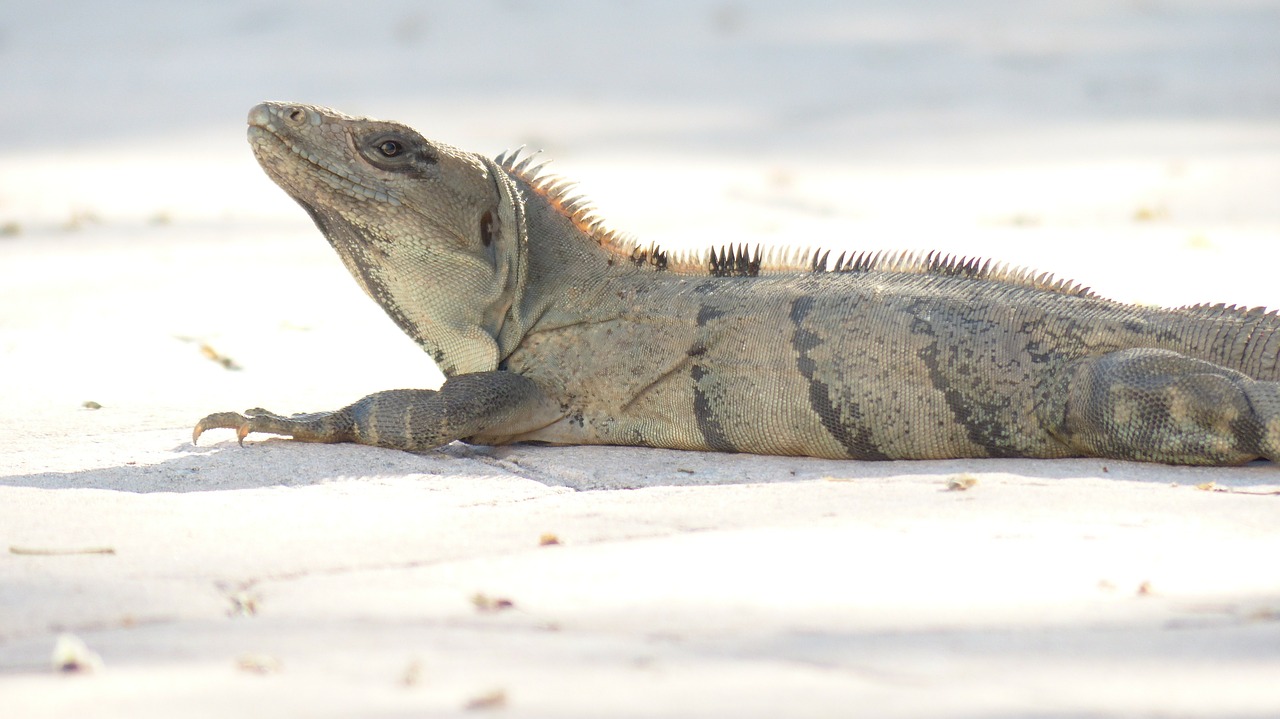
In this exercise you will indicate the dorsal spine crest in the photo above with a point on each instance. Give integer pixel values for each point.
(744, 261)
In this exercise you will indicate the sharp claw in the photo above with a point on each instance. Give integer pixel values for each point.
(222, 420)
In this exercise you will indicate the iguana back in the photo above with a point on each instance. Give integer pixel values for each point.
(552, 328)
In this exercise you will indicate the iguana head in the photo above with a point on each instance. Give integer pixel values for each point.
(433, 234)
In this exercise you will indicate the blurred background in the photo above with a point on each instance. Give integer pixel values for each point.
(798, 108)
(736, 76)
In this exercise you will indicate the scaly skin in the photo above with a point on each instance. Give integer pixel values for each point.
(550, 328)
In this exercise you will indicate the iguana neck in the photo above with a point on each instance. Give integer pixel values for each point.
(568, 265)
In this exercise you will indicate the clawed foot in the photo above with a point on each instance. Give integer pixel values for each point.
(503, 404)
(253, 420)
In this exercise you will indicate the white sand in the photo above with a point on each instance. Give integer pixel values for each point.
(1132, 147)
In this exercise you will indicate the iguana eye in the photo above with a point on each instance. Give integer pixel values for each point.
(390, 148)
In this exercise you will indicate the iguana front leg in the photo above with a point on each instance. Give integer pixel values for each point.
(493, 405)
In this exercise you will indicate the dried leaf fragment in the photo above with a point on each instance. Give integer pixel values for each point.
(412, 676)
(496, 699)
(80, 218)
(1150, 214)
(548, 539)
(1213, 487)
(258, 663)
(486, 603)
(243, 604)
(52, 552)
(209, 352)
(71, 654)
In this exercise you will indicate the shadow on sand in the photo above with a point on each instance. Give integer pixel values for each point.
(279, 462)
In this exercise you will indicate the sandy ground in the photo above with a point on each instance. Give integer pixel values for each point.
(1134, 147)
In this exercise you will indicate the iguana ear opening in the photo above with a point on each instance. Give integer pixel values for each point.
(486, 229)
(489, 239)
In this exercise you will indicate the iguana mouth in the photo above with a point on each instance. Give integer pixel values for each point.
(327, 171)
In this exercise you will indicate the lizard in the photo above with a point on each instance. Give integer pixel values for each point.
(552, 327)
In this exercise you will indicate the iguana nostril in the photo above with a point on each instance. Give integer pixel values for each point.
(259, 116)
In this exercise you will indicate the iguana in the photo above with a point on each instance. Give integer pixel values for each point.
(552, 328)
